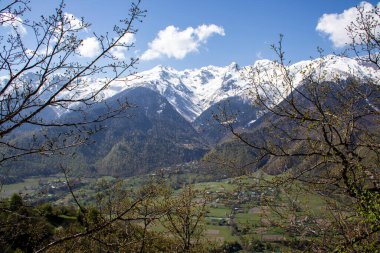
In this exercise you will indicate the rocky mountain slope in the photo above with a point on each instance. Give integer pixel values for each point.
(173, 120)
(193, 91)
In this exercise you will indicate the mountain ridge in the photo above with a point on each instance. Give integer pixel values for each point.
(174, 111)
(193, 91)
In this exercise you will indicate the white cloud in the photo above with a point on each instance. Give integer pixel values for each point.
(205, 31)
(335, 25)
(29, 52)
(10, 20)
(128, 38)
(90, 47)
(174, 43)
(120, 50)
(74, 22)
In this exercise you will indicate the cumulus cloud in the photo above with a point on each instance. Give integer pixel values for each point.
(121, 48)
(174, 43)
(205, 31)
(74, 22)
(335, 25)
(10, 20)
(90, 47)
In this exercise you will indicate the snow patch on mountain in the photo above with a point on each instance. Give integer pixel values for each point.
(274, 82)
(192, 91)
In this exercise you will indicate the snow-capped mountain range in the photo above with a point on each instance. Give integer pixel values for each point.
(177, 108)
(192, 91)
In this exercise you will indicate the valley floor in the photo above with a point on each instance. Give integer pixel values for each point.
(239, 211)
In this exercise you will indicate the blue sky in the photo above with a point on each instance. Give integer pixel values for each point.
(218, 32)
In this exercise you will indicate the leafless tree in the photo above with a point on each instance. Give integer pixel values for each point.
(184, 219)
(323, 131)
(42, 72)
(119, 221)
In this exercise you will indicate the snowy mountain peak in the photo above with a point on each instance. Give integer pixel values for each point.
(262, 63)
(192, 91)
(233, 66)
(162, 68)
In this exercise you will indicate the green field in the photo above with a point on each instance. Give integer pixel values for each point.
(28, 186)
(220, 233)
(236, 211)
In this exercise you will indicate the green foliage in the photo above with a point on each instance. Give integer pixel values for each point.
(228, 247)
(45, 210)
(22, 227)
(15, 202)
